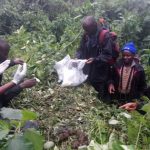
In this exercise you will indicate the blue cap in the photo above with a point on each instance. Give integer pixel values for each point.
(129, 47)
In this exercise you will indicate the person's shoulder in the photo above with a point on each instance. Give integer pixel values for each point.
(139, 67)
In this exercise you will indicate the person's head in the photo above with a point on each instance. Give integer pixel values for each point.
(89, 25)
(128, 53)
(4, 50)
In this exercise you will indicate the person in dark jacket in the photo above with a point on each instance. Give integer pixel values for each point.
(127, 81)
(98, 55)
(10, 90)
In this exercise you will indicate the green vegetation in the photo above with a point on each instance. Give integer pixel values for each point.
(44, 31)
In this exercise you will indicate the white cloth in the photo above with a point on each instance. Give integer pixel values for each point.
(70, 71)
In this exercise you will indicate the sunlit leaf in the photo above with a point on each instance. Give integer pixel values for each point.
(146, 107)
(28, 115)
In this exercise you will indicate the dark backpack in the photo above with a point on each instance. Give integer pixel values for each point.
(114, 43)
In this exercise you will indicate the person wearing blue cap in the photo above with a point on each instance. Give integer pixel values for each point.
(127, 80)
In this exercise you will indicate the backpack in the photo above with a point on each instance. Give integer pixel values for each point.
(114, 43)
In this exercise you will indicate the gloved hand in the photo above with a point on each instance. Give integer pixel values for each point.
(4, 65)
(20, 73)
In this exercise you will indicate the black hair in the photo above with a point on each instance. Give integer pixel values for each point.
(4, 45)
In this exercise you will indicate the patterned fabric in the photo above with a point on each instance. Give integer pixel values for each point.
(126, 76)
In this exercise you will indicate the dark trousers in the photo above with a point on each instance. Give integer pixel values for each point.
(9, 95)
(120, 99)
(98, 77)
(101, 88)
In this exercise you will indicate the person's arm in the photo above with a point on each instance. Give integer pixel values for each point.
(142, 82)
(111, 80)
(5, 87)
(16, 61)
(141, 88)
(134, 106)
(19, 75)
(79, 52)
(130, 106)
(106, 53)
(14, 91)
(140, 104)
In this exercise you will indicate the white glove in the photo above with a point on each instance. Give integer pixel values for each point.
(20, 73)
(4, 65)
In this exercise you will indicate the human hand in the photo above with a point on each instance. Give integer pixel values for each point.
(129, 106)
(90, 60)
(111, 89)
(20, 73)
(28, 83)
(18, 61)
(4, 65)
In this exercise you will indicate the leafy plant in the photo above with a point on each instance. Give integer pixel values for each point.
(40, 37)
(12, 135)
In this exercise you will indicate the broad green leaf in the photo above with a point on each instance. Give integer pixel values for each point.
(35, 138)
(28, 115)
(4, 129)
(146, 107)
(19, 143)
(11, 113)
(145, 98)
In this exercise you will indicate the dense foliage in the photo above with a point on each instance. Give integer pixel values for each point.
(44, 31)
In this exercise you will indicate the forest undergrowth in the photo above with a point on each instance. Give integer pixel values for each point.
(70, 117)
